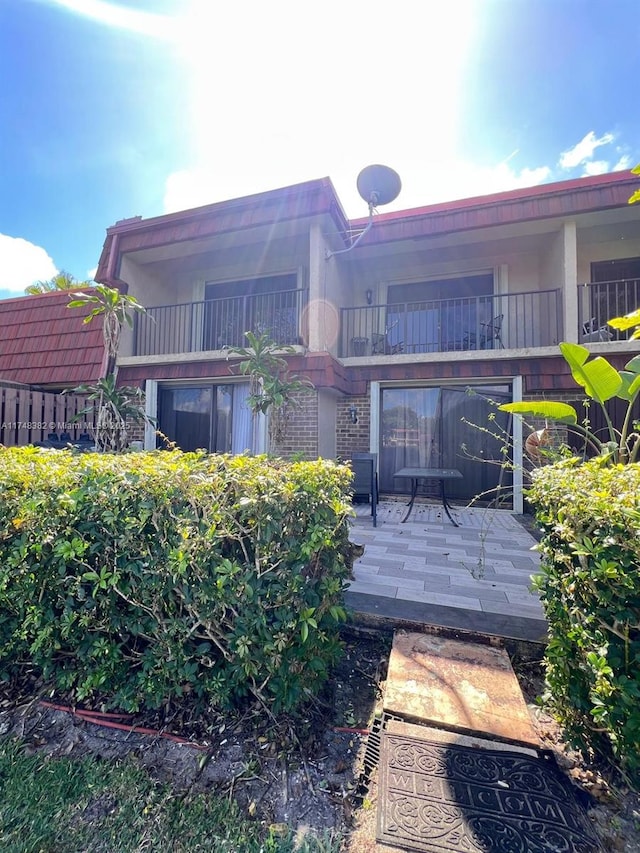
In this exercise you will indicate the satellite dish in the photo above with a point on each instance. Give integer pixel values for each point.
(378, 185)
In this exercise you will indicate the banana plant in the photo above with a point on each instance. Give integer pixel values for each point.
(601, 382)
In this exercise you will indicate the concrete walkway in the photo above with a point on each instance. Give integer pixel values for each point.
(475, 577)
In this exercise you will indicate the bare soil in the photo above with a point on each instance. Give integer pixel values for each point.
(302, 772)
(306, 772)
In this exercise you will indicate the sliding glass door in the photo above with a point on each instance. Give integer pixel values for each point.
(445, 427)
(210, 417)
(439, 315)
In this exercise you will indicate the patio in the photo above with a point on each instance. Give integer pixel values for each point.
(473, 578)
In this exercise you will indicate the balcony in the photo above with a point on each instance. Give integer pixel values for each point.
(217, 324)
(505, 321)
(601, 301)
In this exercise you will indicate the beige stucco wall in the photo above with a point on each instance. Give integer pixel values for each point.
(328, 290)
(327, 407)
(526, 258)
(243, 261)
(150, 289)
(604, 251)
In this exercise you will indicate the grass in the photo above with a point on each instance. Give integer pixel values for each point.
(92, 806)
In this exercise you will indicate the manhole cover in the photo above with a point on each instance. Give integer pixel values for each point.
(445, 798)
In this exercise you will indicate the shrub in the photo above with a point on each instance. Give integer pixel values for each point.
(150, 575)
(590, 585)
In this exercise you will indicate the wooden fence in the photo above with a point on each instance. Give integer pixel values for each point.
(30, 417)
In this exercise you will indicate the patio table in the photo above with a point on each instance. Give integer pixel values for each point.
(417, 474)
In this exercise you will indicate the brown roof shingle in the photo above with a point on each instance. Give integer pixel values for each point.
(42, 342)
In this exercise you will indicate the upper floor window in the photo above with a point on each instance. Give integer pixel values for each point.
(439, 315)
(614, 292)
(269, 304)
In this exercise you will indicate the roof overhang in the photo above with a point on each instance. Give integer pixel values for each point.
(548, 201)
(205, 228)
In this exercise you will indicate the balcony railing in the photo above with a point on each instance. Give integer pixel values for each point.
(602, 301)
(505, 321)
(219, 323)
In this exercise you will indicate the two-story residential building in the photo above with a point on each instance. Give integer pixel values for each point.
(409, 339)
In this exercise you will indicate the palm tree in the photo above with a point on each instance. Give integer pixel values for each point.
(114, 405)
(61, 281)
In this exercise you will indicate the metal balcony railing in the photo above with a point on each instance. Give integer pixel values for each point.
(602, 301)
(216, 324)
(505, 321)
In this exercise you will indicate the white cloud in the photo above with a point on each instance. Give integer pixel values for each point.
(271, 103)
(430, 183)
(625, 162)
(596, 167)
(91, 274)
(190, 188)
(447, 181)
(23, 263)
(583, 151)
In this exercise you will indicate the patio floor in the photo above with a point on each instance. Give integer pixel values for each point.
(475, 577)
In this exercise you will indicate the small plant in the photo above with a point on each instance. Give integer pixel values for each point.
(589, 515)
(116, 310)
(274, 391)
(118, 407)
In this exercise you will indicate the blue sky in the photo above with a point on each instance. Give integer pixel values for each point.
(114, 109)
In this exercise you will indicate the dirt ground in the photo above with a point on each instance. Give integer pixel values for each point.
(305, 773)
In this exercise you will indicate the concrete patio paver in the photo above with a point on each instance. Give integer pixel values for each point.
(475, 577)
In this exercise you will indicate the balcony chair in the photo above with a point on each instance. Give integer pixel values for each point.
(489, 333)
(365, 480)
(380, 345)
(592, 332)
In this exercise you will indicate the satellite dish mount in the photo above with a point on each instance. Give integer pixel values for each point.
(376, 185)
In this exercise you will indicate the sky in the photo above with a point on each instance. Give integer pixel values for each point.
(142, 107)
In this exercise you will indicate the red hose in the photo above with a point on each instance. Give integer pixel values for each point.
(80, 711)
(97, 718)
(350, 731)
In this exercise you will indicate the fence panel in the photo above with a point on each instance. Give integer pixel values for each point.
(29, 417)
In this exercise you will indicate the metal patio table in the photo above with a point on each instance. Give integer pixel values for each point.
(417, 474)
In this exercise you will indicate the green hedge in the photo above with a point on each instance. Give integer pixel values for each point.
(146, 576)
(590, 517)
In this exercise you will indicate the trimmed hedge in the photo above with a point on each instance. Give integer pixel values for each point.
(590, 584)
(145, 576)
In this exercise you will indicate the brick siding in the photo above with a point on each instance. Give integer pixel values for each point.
(352, 437)
(301, 439)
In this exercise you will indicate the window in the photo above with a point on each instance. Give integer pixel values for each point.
(435, 427)
(210, 417)
(439, 315)
(261, 305)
